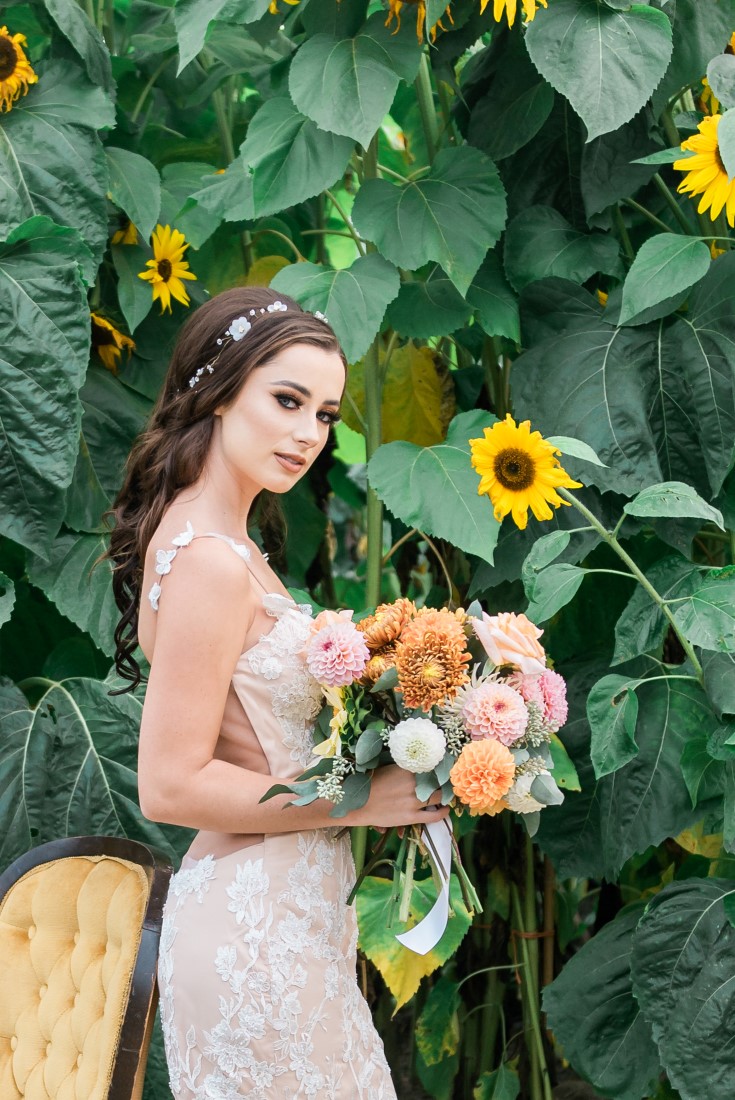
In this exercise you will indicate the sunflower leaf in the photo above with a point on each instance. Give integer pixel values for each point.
(673, 498)
(726, 142)
(135, 187)
(721, 79)
(193, 18)
(540, 242)
(607, 63)
(665, 266)
(7, 598)
(452, 215)
(553, 588)
(707, 616)
(354, 299)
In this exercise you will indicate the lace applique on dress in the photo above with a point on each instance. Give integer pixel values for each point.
(164, 558)
(296, 696)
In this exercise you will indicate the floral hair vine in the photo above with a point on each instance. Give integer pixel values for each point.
(240, 327)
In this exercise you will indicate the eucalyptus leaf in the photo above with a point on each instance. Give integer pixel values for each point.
(369, 744)
(594, 1015)
(607, 63)
(673, 498)
(353, 299)
(355, 791)
(545, 790)
(135, 187)
(41, 293)
(665, 265)
(451, 215)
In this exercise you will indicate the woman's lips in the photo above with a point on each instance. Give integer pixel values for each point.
(290, 463)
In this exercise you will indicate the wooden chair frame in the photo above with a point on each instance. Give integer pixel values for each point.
(129, 1064)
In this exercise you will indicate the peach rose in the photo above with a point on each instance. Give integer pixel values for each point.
(510, 639)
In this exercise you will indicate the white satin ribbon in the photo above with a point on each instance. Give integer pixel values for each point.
(425, 935)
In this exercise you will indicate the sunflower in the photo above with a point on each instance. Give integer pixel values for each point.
(167, 269)
(519, 470)
(420, 5)
(705, 172)
(510, 7)
(109, 342)
(15, 69)
(126, 234)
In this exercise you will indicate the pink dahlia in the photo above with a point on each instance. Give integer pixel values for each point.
(529, 687)
(495, 710)
(555, 707)
(337, 654)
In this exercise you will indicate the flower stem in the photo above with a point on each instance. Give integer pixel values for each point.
(540, 1082)
(358, 836)
(622, 232)
(425, 97)
(647, 214)
(660, 602)
(673, 205)
(405, 908)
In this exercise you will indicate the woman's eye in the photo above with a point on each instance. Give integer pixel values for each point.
(329, 417)
(287, 401)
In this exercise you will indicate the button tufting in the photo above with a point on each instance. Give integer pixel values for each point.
(13, 1042)
(31, 931)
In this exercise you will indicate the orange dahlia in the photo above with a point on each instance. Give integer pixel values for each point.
(387, 622)
(432, 659)
(380, 662)
(482, 775)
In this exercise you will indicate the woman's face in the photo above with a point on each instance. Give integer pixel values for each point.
(279, 422)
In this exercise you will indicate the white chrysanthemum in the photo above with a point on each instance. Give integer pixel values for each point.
(519, 797)
(417, 745)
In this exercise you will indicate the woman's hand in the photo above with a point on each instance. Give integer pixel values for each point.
(393, 801)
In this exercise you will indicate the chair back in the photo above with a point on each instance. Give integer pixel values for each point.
(80, 921)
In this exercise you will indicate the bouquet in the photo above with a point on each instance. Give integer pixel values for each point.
(462, 699)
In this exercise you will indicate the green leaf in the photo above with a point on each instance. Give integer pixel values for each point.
(81, 593)
(179, 181)
(44, 319)
(612, 712)
(673, 498)
(428, 307)
(354, 299)
(607, 63)
(435, 488)
(552, 589)
(437, 1028)
(135, 187)
(347, 84)
(288, 157)
(85, 39)
(356, 791)
(721, 78)
(540, 242)
(193, 17)
(452, 215)
(7, 598)
(51, 161)
(368, 745)
(642, 627)
(565, 773)
(575, 447)
(700, 32)
(707, 616)
(592, 1011)
(495, 303)
(499, 1084)
(719, 681)
(613, 166)
(702, 773)
(134, 294)
(68, 768)
(683, 976)
(401, 968)
(726, 142)
(663, 156)
(666, 265)
(542, 553)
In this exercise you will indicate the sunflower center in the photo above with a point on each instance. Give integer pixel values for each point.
(8, 58)
(164, 269)
(514, 469)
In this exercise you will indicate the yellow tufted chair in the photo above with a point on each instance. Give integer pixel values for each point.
(80, 921)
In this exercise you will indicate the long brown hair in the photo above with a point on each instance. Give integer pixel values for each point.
(170, 454)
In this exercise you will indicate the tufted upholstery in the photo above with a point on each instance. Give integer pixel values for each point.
(69, 936)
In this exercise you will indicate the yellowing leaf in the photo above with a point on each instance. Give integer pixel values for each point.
(699, 843)
(402, 969)
(565, 773)
(418, 397)
(264, 269)
(437, 1029)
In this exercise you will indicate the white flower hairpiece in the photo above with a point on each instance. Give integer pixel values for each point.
(240, 327)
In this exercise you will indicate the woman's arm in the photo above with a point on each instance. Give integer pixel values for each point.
(206, 609)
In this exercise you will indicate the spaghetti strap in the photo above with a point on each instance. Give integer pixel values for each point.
(164, 558)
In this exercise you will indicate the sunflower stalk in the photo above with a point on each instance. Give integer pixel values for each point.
(612, 541)
(425, 98)
(673, 205)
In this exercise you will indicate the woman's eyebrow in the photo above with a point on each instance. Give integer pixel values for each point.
(303, 390)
